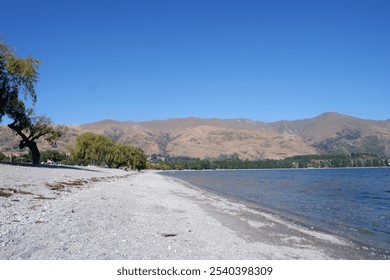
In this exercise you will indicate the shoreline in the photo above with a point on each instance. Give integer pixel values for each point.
(370, 251)
(146, 216)
(305, 220)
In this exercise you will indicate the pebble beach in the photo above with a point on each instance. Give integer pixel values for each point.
(90, 213)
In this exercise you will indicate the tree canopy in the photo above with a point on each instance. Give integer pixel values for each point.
(18, 77)
(95, 149)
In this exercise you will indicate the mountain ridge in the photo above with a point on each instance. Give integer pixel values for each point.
(328, 133)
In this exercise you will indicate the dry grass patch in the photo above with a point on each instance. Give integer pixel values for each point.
(60, 186)
(43, 197)
(7, 192)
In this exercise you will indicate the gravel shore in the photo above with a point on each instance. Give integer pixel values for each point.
(95, 213)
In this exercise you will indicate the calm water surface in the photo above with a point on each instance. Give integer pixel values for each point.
(353, 202)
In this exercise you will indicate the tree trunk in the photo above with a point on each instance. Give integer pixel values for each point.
(36, 155)
(27, 142)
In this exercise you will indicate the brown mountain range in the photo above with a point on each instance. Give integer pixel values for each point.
(330, 133)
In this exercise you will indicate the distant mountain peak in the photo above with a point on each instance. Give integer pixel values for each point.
(331, 114)
(106, 121)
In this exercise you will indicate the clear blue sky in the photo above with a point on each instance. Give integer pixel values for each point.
(264, 60)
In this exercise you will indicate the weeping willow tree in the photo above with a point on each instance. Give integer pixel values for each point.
(95, 149)
(18, 77)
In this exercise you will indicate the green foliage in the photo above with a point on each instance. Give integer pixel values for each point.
(92, 149)
(30, 128)
(54, 156)
(18, 77)
(304, 161)
(95, 149)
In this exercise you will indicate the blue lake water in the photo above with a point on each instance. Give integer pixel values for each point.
(353, 202)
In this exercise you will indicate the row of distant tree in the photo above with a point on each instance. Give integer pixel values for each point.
(304, 161)
(94, 149)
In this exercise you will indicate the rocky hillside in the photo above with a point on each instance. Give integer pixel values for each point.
(334, 133)
(213, 138)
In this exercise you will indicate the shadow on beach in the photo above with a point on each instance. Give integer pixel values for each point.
(52, 166)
